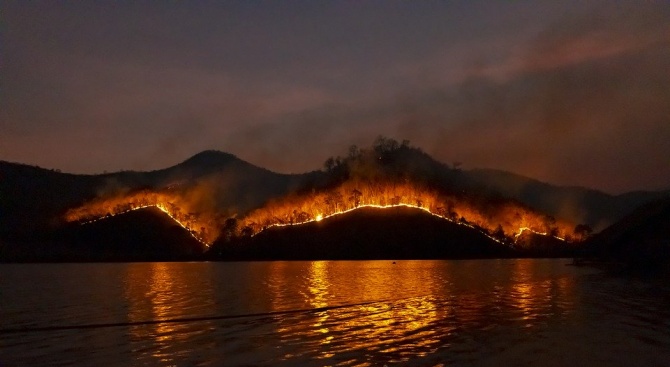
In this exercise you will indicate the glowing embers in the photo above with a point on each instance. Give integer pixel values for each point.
(500, 220)
(197, 225)
(320, 217)
(523, 229)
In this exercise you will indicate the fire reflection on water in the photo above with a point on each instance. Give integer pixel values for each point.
(157, 292)
(396, 313)
(426, 313)
(362, 312)
(373, 326)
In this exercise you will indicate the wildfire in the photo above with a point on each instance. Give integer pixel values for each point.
(200, 226)
(502, 221)
(499, 221)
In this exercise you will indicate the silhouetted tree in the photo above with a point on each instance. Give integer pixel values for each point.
(583, 230)
(383, 145)
(499, 232)
(229, 229)
(355, 197)
(329, 164)
(549, 223)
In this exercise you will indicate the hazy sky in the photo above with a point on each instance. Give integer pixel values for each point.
(569, 92)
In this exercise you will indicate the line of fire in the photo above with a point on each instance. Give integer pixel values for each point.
(384, 176)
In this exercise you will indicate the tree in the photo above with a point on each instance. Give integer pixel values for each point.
(355, 197)
(329, 164)
(549, 223)
(333, 200)
(230, 229)
(583, 231)
(383, 145)
(499, 232)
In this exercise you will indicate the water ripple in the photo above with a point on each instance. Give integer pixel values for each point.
(416, 313)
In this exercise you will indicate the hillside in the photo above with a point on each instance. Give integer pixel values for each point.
(640, 241)
(583, 205)
(33, 198)
(207, 190)
(367, 233)
(142, 235)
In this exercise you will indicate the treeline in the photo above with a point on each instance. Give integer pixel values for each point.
(393, 173)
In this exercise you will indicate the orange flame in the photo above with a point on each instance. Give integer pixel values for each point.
(497, 219)
(202, 226)
(507, 216)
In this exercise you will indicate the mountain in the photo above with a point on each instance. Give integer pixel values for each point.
(34, 199)
(582, 205)
(206, 190)
(366, 233)
(141, 235)
(640, 241)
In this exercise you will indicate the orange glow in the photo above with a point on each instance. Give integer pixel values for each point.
(202, 226)
(163, 291)
(500, 220)
(503, 219)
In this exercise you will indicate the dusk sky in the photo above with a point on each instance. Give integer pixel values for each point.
(568, 92)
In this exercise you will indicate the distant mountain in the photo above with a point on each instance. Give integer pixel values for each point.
(33, 198)
(214, 186)
(640, 241)
(582, 205)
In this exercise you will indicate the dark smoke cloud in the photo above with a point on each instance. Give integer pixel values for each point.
(586, 100)
(571, 93)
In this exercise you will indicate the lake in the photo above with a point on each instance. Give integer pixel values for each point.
(330, 313)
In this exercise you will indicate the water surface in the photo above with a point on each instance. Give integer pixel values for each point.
(345, 313)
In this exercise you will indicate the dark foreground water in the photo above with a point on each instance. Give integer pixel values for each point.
(338, 313)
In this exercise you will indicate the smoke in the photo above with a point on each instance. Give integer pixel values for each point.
(578, 99)
(584, 103)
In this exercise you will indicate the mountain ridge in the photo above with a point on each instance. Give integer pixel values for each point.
(554, 199)
(210, 186)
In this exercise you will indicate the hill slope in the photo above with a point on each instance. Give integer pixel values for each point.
(141, 235)
(641, 240)
(582, 205)
(366, 233)
(207, 189)
(33, 198)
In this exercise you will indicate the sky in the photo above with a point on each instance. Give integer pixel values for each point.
(567, 92)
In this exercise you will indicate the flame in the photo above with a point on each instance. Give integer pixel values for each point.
(499, 220)
(201, 226)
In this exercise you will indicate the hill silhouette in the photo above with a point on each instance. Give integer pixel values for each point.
(582, 205)
(35, 199)
(140, 235)
(366, 233)
(212, 186)
(640, 241)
